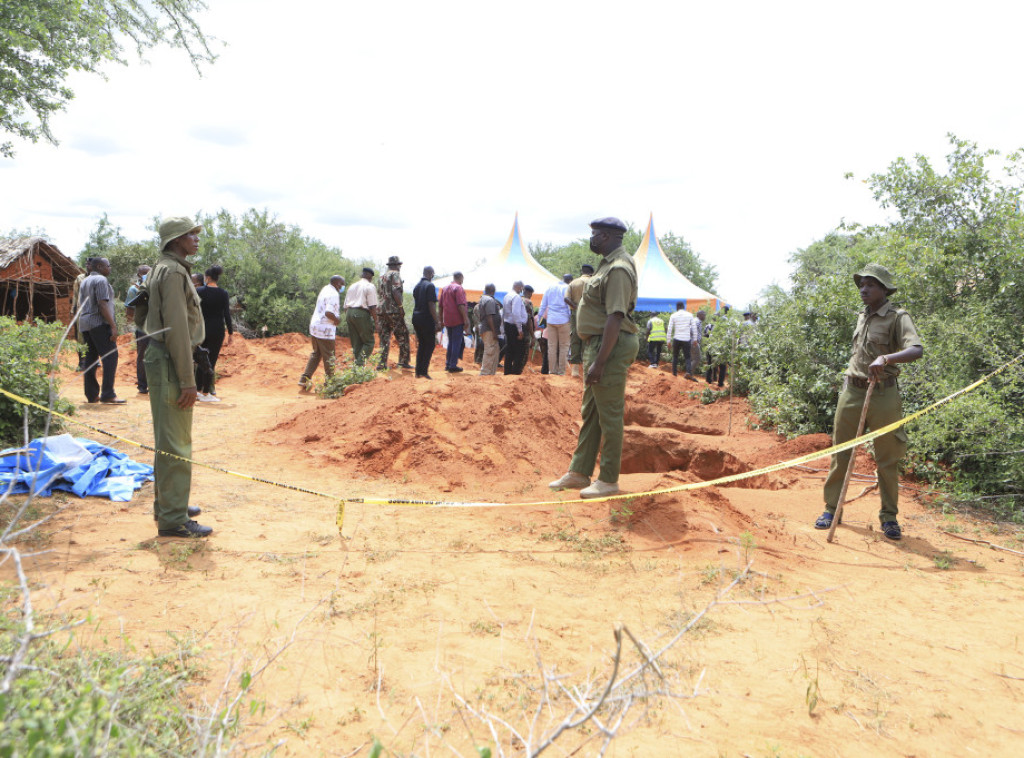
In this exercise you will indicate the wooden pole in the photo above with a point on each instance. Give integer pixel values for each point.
(853, 459)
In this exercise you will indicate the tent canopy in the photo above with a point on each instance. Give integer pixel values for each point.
(661, 284)
(512, 264)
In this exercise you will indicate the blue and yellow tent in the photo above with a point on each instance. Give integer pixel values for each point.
(661, 284)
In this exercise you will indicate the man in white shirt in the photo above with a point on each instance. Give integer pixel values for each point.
(361, 316)
(680, 334)
(555, 311)
(514, 313)
(323, 327)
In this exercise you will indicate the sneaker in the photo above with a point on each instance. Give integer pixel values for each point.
(193, 511)
(113, 401)
(144, 392)
(404, 365)
(189, 529)
(600, 489)
(891, 529)
(570, 481)
(825, 521)
(207, 398)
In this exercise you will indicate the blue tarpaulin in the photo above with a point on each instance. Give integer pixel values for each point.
(73, 464)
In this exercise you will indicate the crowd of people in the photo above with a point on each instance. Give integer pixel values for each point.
(182, 320)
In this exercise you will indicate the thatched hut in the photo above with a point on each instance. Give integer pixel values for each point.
(36, 280)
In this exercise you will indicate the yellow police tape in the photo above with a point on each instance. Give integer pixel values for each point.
(621, 496)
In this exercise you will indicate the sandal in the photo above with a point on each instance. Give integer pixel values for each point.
(891, 529)
(824, 521)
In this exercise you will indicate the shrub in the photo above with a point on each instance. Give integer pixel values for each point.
(26, 353)
(335, 386)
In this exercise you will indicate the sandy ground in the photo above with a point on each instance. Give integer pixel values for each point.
(859, 647)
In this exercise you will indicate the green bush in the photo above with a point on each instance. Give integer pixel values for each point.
(26, 353)
(335, 386)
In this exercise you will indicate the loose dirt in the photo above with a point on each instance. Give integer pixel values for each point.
(860, 647)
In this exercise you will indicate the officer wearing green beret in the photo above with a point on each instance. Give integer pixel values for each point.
(885, 337)
(175, 325)
(610, 347)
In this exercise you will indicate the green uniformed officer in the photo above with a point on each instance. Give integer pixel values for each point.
(885, 336)
(392, 314)
(175, 325)
(611, 345)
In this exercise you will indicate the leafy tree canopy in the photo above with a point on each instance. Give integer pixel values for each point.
(43, 41)
(567, 259)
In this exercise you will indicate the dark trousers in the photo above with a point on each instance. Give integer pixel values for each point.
(515, 349)
(214, 342)
(677, 346)
(542, 345)
(101, 349)
(141, 340)
(455, 346)
(654, 352)
(715, 371)
(423, 323)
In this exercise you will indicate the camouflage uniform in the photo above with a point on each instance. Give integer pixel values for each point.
(392, 318)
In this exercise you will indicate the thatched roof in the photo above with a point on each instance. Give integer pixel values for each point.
(13, 249)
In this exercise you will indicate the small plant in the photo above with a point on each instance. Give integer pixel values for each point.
(748, 544)
(485, 628)
(335, 386)
(710, 574)
(621, 514)
(944, 560)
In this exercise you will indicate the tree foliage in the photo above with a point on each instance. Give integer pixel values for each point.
(43, 41)
(567, 259)
(26, 351)
(954, 250)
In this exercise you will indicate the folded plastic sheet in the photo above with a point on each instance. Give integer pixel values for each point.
(78, 465)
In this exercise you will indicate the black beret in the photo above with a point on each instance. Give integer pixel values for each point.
(608, 222)
(367, 270)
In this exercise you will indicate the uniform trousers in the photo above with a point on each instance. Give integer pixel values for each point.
(693, 364)
(886, 408)
(423, 323)
(575, 343)
(102, 351)
(322, 350)
(604, 404)
(680, 346)
(141, 340)
(489, 362)
(360, 332)
(558, 347)
(394, 323)
(172, 433)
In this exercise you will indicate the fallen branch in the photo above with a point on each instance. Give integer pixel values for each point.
(992, 545)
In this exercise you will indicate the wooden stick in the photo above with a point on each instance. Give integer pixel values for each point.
(992, 545)
(853, 459)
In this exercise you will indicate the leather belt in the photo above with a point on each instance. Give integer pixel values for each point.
(854, 381)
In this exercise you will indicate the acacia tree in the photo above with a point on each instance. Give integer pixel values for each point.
(43, 41)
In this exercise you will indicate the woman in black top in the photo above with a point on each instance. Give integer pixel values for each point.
(216, 305)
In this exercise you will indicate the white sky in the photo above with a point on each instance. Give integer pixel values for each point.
(421, 128)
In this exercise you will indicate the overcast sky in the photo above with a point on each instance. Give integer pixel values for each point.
(421, 128)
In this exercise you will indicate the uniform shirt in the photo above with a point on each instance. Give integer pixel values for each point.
(452, 297)
(486, 308)
(95, 289)
(174, 306)
(328, 301)
(553, 307)
(362, 294)
(576, 286)
(390, 283)
(657, 327)
(680, 326)
(887, 330)
(612, 289)
(514, 310)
